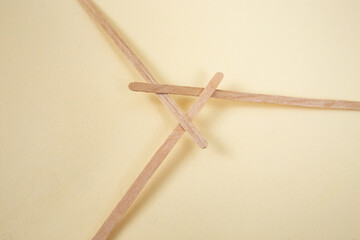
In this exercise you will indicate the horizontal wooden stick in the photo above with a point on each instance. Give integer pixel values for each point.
(184, 121)
(154, 163)
(246, 97)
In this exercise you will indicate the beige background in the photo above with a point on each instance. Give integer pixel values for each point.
(73, 137)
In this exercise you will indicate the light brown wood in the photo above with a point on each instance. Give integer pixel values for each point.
(246, 97)
(155, 162)
(184, 121)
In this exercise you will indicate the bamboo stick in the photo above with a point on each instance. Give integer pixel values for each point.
(155, 162)
(246, 97)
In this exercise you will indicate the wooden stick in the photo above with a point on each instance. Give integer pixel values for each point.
(154, 163)
(246, 97)
(184, 121)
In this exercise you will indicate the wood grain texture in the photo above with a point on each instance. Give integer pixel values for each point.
(155, 162)
(246, 97)
(184, 121)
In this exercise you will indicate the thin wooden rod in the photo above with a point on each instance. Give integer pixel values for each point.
(184, 121)
(154, 163)
(246, 97)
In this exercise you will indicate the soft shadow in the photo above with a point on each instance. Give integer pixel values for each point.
(155, 184)
(219, 106)
(186, 145)
(183, 150)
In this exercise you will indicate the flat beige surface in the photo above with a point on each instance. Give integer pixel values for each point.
(73, 137)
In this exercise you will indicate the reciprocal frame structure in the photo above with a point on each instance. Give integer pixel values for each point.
(185, 120)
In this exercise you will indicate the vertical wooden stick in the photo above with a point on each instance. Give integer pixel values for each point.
(184, 121)
(154, 163)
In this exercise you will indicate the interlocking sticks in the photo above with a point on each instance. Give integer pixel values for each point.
(155, 162)
(246, 97)
(184, 121)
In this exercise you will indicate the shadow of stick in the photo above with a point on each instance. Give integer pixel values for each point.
(178, 157)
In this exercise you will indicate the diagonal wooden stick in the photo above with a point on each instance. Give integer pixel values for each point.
(184, 121)
(155, 162)
(246, 97)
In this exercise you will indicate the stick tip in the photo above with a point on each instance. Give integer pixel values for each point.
(134, 86)
(131, 86)
(219, 75)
